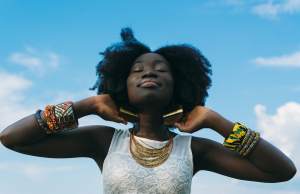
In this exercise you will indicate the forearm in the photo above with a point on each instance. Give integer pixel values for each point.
(219, 124)
(271, 160)
(264, 156)
(26, 130)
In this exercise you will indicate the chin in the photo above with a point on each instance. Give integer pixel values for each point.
(149, 101)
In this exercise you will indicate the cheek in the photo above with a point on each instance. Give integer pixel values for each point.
(130, 88)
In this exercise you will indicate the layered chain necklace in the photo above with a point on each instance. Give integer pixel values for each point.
(150, 157)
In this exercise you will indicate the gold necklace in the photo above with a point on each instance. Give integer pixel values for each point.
(149, 146)
(150, 157)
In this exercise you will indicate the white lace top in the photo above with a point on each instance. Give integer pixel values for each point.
(122, 174)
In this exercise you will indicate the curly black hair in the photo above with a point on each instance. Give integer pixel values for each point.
(190, 69)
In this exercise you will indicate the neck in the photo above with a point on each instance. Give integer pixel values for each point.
(151, 126)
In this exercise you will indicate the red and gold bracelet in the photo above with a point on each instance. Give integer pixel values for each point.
(58, 117)
(50, 119)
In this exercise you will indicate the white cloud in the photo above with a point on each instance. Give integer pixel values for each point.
(209, 182)
(12, 96)
(36, 61)
(34, 171)
(289, 60)
(271, 10)
(12, 84)
(282, 128)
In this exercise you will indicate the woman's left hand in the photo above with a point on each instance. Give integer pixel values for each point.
(194, 120)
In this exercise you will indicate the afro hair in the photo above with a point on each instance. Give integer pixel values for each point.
(191, 70)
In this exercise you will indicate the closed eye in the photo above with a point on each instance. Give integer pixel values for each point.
(137, 70)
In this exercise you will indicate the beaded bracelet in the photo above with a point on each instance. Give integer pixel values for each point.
(251, 146)
(41, 122)
(57, 118)
(236, 137)
(242, 140)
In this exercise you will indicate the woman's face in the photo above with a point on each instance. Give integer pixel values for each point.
(150, 82)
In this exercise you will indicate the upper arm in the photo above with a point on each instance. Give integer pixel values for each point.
(87, 141)
(213, 156)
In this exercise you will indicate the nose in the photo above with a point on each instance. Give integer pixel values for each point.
(149, 73)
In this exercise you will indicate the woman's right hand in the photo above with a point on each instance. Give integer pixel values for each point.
(106, 108)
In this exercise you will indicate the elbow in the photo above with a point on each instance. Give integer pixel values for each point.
(291, 171)
(4, 139)
(288, 175)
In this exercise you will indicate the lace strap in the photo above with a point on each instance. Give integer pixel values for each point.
(117, 140)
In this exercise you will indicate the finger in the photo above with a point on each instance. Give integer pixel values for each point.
(119, 120)
(184, 126)
(123, 120)
(179, 125)
(114, 118)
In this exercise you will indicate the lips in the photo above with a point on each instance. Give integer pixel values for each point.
(148, 83)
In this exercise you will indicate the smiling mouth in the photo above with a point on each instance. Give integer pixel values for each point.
(149, 84)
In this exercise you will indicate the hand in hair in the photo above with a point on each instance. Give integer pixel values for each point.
(194, 120)
(106, 108)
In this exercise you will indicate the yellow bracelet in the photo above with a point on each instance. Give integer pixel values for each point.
(241, 139)
(234, 140)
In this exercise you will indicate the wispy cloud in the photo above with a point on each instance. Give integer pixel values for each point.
(268, 9)
(34, 171)
(12, 96)
(271, 10)
(281, 128)
(35, 60)
(12, 84)
(289, 60)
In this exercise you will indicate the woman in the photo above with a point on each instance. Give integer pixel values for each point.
(156, 91)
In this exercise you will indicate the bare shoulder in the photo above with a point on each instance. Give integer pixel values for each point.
(200, 147)
(102, 135)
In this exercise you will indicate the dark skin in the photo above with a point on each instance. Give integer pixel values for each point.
(265, 163)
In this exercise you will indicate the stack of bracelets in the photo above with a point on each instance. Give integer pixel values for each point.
(57, 118)
(241, 140)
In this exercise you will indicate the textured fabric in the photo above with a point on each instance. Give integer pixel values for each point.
(122, 174)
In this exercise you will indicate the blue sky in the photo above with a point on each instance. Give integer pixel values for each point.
(49, 50)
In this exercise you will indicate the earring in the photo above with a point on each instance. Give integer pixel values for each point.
(128, 115)
(169, 118)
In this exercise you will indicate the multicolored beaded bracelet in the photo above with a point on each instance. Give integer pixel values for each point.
(58, 117)
(41, 122)
(241, 140)
(234, 140)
